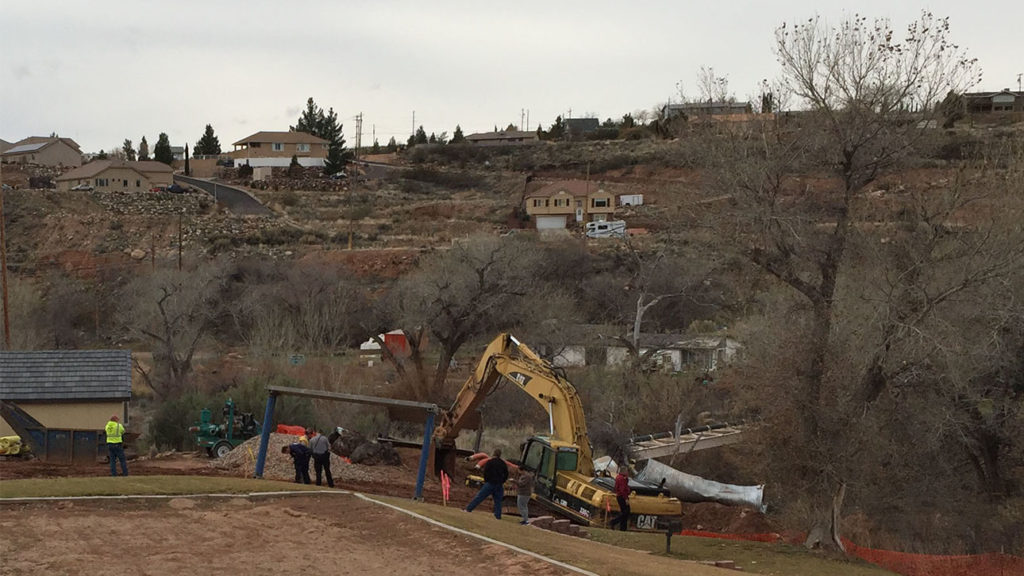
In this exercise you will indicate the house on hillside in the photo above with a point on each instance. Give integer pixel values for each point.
(67, 389)
(503, 138)
(555, 205)
(118, 176)
(670, 352)
(991, 102)
(674, 352)
(277, 148)
(579, 127)
(708, 108)
(178, 153)
(44, 152)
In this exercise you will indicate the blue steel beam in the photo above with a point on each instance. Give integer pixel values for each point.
(428, 434)
(268, 418)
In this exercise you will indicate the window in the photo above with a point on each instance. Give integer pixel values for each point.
(138, 183)
(599, 202)
(579, 203)
(254, 145)
(125, 183)
(302, 147)
(277, 146)
(537, 202)
(561, 201)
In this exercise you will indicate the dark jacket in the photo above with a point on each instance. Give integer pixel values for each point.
(495, 471)
(622, 485)
(300, 453)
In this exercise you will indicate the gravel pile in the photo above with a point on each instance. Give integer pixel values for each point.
(279, 466)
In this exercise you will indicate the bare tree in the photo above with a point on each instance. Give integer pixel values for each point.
(869, 96)
(478, 287)
(712, 87)
(175, 311)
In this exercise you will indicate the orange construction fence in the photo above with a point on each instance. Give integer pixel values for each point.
(904, 563)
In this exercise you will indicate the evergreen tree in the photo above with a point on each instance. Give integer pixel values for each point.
(309, 121)
(421, 136)
(208, 145)
(411, 141)
(557, 131)
(188, 169)
(325, 125)
(162, 150)
(129, 151)
(376, 147)
(143, 149)
(432, 139)
(330, 130)
(457, 137)
(511, 128)
(392, 146)
(102, 155)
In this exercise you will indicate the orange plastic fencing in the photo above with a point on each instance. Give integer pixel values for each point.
(293, 430)
(903, 563)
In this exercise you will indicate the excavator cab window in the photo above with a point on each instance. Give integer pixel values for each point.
(567, 460)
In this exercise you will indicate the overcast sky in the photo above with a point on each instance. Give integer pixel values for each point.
(100, 72)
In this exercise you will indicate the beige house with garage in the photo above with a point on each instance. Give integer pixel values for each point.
(118, 176)
(559, 205)
(277, 149)
(44, 152)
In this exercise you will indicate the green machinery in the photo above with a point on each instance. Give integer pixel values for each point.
(219, 439)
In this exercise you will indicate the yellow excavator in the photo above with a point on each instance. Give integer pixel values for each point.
(561, 461)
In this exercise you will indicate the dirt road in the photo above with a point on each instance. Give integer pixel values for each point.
(322, 534)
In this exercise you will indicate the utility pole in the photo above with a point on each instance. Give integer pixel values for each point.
(527, 119)
(179, 242)
(413, 133)
(359, 133)
(3, 274)
(522, 114)
(1018, 81)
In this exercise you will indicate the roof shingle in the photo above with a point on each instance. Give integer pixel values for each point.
(47, 375)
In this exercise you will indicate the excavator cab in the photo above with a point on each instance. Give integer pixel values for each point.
(545, 461)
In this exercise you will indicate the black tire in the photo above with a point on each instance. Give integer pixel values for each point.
(221, 449)
(209, 452)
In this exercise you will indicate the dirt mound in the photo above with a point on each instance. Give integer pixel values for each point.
(714, 517)
(279, 466)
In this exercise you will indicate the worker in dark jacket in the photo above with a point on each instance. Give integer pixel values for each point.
(300, 455)
(622, 496)
(495, 475)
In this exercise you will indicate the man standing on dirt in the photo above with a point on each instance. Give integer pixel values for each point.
(495, 475)
(300, 456)
(622, 496)
(524, 489)
(320, 446)
(115, 445)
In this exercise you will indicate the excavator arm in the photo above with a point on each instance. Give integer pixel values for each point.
(508, 359)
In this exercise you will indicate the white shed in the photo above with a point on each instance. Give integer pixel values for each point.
(631, 199)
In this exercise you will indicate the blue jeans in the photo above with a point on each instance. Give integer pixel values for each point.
(496, 491)
(116, 452)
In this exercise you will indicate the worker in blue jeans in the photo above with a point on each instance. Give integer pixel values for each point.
(495, 475)
(115, 445)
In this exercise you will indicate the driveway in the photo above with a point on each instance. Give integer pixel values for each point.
(235, 199)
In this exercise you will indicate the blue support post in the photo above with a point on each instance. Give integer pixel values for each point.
(428, 434)
(268, 418)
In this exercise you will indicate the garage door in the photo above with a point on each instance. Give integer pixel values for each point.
(550, 222)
